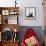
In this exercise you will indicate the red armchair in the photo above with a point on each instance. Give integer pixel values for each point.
(30, 35)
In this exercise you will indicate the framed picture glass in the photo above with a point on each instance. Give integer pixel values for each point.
(13, 20)
(7, 34)
(5, 12)
(30, 13)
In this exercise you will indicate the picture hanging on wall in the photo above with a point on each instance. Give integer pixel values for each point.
(30, 13)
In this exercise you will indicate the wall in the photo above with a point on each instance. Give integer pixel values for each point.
(39, 13)
(27, 3)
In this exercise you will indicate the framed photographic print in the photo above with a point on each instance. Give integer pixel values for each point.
(5, 20)
(5, 12)
(13, 20)
(30, 13)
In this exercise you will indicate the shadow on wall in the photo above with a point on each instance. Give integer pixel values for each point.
(37, 29)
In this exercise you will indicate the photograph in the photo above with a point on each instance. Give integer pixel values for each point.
(30, 13)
